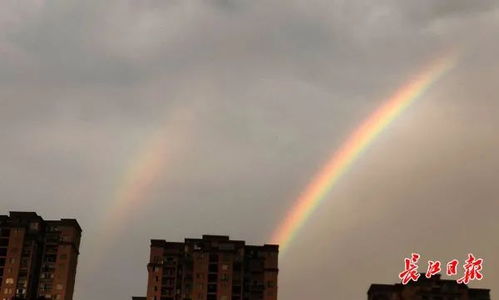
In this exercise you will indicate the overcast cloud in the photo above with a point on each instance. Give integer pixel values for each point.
(252, 98)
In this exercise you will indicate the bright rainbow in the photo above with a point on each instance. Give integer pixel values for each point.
(357, 143)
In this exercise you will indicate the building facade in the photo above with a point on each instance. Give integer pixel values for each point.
(212, 268)
(433, 288)
(38, 258)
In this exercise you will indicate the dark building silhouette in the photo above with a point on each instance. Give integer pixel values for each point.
(212, 268)
(433, 288)
(38, 258)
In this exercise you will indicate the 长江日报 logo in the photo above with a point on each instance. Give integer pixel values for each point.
(472, 268)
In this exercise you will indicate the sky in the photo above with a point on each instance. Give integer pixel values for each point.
(172, 119)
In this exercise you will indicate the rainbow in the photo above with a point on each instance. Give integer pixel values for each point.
(138, 180)
(355, 145)
(145, 170)
(132, 192)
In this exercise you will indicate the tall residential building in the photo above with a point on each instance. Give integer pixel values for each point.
(212, 268)
(37, 258)
(433, 288)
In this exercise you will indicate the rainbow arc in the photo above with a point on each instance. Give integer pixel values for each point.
(349, 152)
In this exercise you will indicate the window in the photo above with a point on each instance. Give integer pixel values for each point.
(212, 277)
(58, 286)
(213, 257)
(21, 291)
(213, 268)
(212, 288)
(236, 289)
(34, 226)
(50, 258)
(9, 280)
(237, 267)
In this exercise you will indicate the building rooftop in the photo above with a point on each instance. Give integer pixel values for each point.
(215, 239)
(434, 285)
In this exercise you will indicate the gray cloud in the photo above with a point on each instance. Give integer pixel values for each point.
(272, 88)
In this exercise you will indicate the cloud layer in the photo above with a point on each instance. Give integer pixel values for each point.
(271, 89)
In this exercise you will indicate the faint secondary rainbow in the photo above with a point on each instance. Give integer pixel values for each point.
(140, 176)
(138, 179)
(355, 144)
